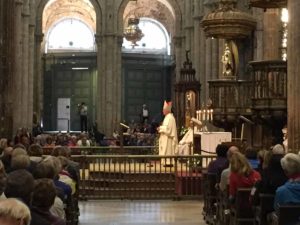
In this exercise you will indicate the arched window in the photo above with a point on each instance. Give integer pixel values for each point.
(70, 35)
(156, 38)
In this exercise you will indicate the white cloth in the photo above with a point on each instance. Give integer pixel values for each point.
(185, 144)
(83, 110)
(145, 113)
(57, 208)
(168, 141)
(79, 143)
(224, 179)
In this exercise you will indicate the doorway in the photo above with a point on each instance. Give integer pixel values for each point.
(68, 81)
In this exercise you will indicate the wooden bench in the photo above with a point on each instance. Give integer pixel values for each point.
(242, 211)
(287, 215)
(209, 196)
(222, 208)
(266, 202)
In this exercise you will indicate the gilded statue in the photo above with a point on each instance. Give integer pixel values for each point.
(227, 60)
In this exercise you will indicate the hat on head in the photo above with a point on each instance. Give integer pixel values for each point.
(167, 106)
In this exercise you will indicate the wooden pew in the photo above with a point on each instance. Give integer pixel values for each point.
(242, 211)
(287, 215)
(266, 202)
(209, 196)
(222, 208)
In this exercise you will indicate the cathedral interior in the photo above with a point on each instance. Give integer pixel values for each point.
(232, 65)
(64, 52)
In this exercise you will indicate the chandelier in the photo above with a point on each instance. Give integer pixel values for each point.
(132, 32)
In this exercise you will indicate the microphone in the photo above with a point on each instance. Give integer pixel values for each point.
(246, 120)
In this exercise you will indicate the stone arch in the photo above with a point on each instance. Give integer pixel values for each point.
(172, 6)
(41, 6)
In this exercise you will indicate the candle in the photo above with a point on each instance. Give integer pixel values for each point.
(211, 115)
(204, 115)
(200, 115)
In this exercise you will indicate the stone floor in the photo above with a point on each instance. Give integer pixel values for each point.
(141, 212)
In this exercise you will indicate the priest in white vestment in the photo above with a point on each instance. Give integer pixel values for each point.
(186, 143)
(168, 142)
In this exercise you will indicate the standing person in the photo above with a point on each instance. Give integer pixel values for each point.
(83, 117)
(168, 142)
(144, 114)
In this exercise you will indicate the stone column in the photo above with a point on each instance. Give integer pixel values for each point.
(197, 41)
(31, 63)
(271, 34)
(293, 94)
(100, 92)
(177, 40)
(17, 80)
(208, 69)
(215, 59)
(258, 49)
(25, 61)
(201, 60)
(38, 77)
(109, 83)
(188, 27)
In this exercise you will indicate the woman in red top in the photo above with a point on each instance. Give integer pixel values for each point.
(242, 175)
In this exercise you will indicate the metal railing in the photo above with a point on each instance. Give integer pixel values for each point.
(107, 150)
(140, 176)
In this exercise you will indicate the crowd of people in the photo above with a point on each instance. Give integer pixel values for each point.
(35, 189)
(271, 171)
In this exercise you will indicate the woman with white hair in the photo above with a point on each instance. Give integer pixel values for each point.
(289, 193)
(14, 212)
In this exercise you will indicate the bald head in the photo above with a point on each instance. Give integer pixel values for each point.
(232, 150)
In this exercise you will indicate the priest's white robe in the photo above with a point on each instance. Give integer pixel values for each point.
(168, 141)
(185, 146)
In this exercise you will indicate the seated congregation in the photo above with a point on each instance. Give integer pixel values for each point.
(248, 188)
(38, 190)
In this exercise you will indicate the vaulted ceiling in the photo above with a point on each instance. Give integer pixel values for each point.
(57, 10)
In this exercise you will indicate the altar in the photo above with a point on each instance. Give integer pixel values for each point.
(210, 140)
(205, 143)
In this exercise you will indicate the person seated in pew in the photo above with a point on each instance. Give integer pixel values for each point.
(218, 165)
(224, 182)
(272, 174)
(242, 175)
(43, 198)
(14, 212)
(252, 157)
(289, 193)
